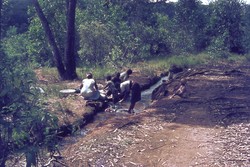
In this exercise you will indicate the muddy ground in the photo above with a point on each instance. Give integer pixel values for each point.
(208, 126)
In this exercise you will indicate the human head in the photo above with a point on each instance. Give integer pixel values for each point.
(108, 78)
(129, 71)
(89, 75)
(117, 75)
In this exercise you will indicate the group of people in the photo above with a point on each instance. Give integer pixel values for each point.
(116, 89)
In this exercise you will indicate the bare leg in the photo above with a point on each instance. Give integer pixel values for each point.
(131, 107)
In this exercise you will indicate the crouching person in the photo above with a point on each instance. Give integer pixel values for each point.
(111, 90)
(89, 89)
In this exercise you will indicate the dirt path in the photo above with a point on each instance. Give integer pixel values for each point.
(210, 127)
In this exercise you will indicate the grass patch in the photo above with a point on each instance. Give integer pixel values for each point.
(163, 64)
(98, 72)
(238, 58)
(50, 73)
(146, 68)
(189, 60)
(151, 66)
(54, 90)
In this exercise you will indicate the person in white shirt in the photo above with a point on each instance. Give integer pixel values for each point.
(125, 90)
(89, 89)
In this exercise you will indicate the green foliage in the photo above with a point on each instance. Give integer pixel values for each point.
(40, 50)
(101, 72)
(147, 70)
(236, 58)
(189, 60)
(117, 33)
(116, 36)
(246, 28)
(247, 57)
(164, 63)
(189, 26)
(55, 12)
(20, 46)
(95, 43)
(162, 36)
(24, 122)
(226, 25)
(15, 15)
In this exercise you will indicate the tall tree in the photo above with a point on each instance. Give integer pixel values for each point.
(67, 70)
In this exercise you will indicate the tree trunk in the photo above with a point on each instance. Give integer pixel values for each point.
(51, 39)
(70, 62)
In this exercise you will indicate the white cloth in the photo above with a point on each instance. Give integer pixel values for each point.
(88, 90)
(125, 86)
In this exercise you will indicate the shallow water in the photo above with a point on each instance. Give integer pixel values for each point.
(141, 105)
(146, 95)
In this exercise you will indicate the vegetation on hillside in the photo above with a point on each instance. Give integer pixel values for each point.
(115, 33)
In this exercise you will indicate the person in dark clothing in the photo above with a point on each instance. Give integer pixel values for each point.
(117, 81)
(135, 95)
(110, 89)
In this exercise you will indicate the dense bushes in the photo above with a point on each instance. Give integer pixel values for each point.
(25, 126)
(138, 30)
